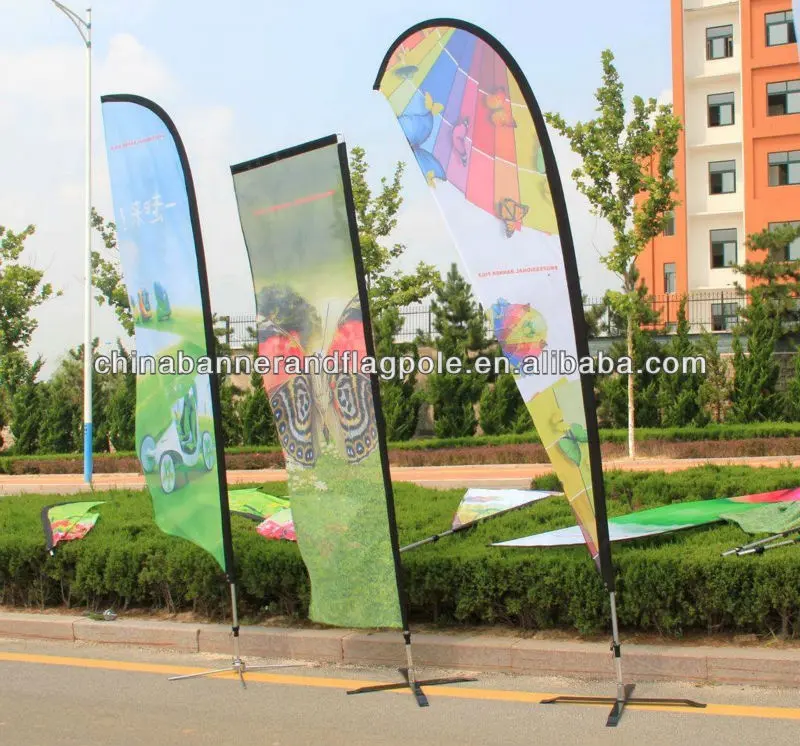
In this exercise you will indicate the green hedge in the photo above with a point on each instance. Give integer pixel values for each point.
(669, 585)
(761, 430)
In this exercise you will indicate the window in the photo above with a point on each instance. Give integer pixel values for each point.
(724, 316)
(720, 109)
(792, 252)
(723, 248)
(722, 177)
(669, 226)
(784, 168)
(669, 277)
(719, 42)
(780, 28)
(783, 98)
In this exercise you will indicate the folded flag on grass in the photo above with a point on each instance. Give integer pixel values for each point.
(766, 512)
(67, 522)
(478, 503)
(272, 512)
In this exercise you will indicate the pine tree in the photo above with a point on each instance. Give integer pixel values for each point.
(27, 411)
(775, 278)
(255, 413)
(121, 405)
(790, 399)
(754, 397)
(502, 409)
(679, 393)
(714, 393)
(459, 325)
(400, 400)
(62, 416)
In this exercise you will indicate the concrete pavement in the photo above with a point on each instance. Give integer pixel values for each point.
(56, 694)
(499, 475)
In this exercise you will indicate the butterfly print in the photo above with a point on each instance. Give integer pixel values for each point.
(334, 407)
(512, 213)
(500, 107)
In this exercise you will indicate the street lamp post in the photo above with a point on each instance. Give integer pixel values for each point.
(84, 27)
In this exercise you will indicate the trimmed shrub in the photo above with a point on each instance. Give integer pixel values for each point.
(669, 585)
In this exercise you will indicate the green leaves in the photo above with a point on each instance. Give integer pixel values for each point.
(107, 275)
(377, 218)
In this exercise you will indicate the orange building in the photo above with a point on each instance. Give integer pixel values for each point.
(736, 88)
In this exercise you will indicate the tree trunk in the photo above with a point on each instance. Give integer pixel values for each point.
(631, 404)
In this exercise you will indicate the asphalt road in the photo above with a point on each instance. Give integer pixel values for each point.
(57, 694)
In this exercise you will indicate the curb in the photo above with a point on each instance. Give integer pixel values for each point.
(489, 653)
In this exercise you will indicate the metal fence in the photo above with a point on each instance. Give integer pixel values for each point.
(715, 311)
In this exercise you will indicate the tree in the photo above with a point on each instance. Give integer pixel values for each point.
(107, 274)
(121, 405)
(400, 399)
(679, 393)
(626, 174)
(377, 217)
(459, 325)
(502, 409)
(229, 393)
(714, 394)
(774, 278)
(63, 431)
(790, 400)
(63, 408)
(255, 414)
(22, 291)
(27, 411)
(753, 396)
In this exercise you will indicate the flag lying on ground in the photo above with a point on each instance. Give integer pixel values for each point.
(67, 522)
(479, 503)
(273, 513)
(745, 510)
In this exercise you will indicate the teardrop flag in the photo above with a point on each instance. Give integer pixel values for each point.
(479, 138)
(178, 423)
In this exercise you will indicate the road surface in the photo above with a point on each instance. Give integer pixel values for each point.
(59, 694)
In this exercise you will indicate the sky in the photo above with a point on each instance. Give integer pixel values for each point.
(247, 77)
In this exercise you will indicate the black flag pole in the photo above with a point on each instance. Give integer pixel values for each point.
(409, 672)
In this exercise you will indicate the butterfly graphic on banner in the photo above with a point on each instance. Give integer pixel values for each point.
(307, 405)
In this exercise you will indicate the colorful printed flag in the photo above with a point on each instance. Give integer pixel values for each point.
(299, 227)
(481, 143)
(178, 436)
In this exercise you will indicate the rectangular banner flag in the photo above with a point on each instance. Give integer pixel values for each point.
(298, 222)
(480, 140)
(178, 434)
